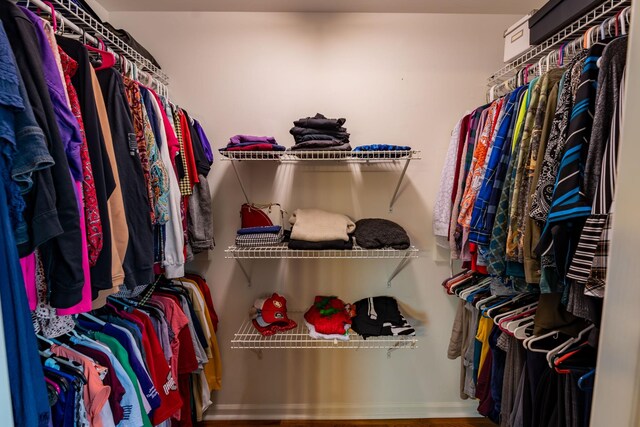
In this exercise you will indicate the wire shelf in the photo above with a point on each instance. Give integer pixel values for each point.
(572, 31)
(247, 337)
(78, 16)
(282, 251)
(316, 155)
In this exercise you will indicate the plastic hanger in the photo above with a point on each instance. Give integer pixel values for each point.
(511, 326)
(559, 360)
(512, 300)
(107, 59)
(527, 343)
(54, 18)
(565, 345)
(463, 294)
(482, 302)
(55, 386)
(507, 320)
(93, 319)
(514, 312)
(521, 331)
(583, 379)
(467, 292)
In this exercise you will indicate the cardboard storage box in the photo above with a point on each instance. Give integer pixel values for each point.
(516, 38)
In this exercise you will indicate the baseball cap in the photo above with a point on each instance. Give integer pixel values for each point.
(272, 309)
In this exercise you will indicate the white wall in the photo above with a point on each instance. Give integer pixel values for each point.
(397, 78)
(617, 387)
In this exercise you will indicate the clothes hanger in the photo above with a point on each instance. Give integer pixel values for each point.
(511, 326)
(107, 59)
(527, 343)
(463, 292)
(93, 319)
(561, 358)
(55, 386)
(504, 322)
(586, 377)
(565, 345)
(62, 361)
(454, 277)
(514, 312)
(521, 331)
(482, 302)
(512, 300)
(54, 18)
(458, 287)
(483, 284)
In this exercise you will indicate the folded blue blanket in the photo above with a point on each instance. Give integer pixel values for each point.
(382, 147)
(274, 229)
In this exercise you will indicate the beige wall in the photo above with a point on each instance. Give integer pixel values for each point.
(617, 387)
(398, 79)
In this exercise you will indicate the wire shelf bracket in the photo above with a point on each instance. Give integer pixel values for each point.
(572, 31)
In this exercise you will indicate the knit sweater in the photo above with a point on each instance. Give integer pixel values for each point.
(315, 225)
(375, 233)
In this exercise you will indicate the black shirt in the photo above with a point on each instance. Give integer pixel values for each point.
(138, 261)
(52, 212)
(102, 173)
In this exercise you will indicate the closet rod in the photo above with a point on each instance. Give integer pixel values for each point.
(596, 16)
(82, 23)
(558, 57)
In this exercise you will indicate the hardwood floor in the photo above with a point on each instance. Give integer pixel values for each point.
(433, 422)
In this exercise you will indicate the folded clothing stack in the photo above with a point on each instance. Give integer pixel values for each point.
(393, 150)
(317, 229)
(328, 318)
(270, 315)
(379, 316)
(259, 236)
(320, 133)
(252, 143)
(377, 233)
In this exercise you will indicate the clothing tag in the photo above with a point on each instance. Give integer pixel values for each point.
(133, 144)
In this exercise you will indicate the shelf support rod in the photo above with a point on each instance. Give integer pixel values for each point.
(395, 193)
(244, 271)
(402, 264)
(392, 349)
(258, 352)
(233, 164)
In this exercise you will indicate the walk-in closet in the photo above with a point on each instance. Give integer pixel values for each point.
(319, 212)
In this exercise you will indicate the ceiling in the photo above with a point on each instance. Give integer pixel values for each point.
(517, 7)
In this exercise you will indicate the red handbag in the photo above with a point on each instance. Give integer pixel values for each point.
(261, 215)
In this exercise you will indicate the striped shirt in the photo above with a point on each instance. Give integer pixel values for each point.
(569, 206)
(589, 264)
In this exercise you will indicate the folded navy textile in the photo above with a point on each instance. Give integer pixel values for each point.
(329, 244)
(275, 229)
(382, 147)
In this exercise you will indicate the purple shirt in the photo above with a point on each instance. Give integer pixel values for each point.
(206, 146)
(238, 139)
(67, 122)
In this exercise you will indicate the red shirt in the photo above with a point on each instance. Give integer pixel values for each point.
(163, 380)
